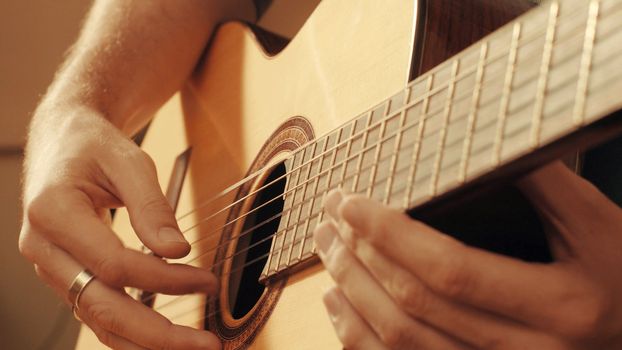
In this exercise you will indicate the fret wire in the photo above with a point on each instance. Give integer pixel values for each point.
(417, 145)
(544, 73)
(404, 168)
(443, 132)
(293, 202)
(472, 118)
(359, 162)
(408, 106)
(311, 204)
(396, 148)
(414, 102)
(505, 96)
(578, 114)
(329, 174)
(304, 191)
(526, 40)
(348, 151)
(374, 169)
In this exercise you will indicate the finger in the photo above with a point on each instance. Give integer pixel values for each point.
(546, 296)
(150, 213)
(108, 338)
(121, 315)
(118, 314)
(102, 253)
(353, 332)
(578, 211)
(393, 327)
(478, 328)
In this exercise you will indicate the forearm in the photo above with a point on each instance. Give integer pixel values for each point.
(132, 55)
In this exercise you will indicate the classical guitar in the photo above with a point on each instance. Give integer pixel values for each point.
(259, 134)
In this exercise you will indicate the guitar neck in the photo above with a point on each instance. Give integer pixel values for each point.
(549, 74)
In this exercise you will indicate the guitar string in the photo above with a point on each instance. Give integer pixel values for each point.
(310, 217)
(350, 157)
(297, 187)
(215, 299)
(488, 61)
(303, 202)
(303, 237)
(218, 310)
(284, 247)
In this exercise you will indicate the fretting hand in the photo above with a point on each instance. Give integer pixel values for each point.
(403, 285)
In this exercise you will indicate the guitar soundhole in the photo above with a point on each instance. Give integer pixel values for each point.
(253, 245)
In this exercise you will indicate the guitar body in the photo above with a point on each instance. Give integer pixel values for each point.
(243, 110)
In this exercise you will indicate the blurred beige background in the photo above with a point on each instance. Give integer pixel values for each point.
(34, 35)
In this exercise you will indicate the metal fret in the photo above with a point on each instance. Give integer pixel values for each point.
(396, 149)
(549, 41)
(468, 139)
(359, 163)
(278, 235)
(295, 164)
(443, 132)
(417, 145)
(505, 96)
(348, 151)
(305, 160)
(374, 169)
(578, 114)
(328, 177)
(311, 205)
(472, 117)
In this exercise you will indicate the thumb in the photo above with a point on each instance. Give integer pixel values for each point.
(576, 211)
(150, 213)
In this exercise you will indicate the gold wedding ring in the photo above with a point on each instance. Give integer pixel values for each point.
(77, 288)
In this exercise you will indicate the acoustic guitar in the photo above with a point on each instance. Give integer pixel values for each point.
(371, 96)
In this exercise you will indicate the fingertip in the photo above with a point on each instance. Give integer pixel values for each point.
(332, 301)
(352, 209)
(331, 202)
(171, 244)
(323, 236)
(212, 285)
(199, 339)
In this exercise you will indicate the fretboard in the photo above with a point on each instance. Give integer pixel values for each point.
(538, 79)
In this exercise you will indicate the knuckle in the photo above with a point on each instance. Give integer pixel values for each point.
(104, 316)
(138, 156)
(394, 334)
(585, 315)
(414, 298)
(381, 228)
(26, 246)
(111, 271)
(45, 208)
(350, 336)
(341, 263)
(497, 342)
(452, 278)
(37, 209)
(167, 343)
(104, 337)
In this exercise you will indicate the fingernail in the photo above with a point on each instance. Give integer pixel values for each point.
(332, 301)
(324, 236)
(333, 197)
(351, 211)
(170, 235)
